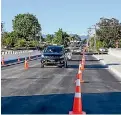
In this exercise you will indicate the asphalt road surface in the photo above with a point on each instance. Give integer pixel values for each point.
(50, 90)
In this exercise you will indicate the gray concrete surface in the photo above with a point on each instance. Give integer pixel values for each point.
(50, 90)
(21, 55)
(113, 63)
(115, 52)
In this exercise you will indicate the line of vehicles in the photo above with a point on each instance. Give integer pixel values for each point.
(59, 56)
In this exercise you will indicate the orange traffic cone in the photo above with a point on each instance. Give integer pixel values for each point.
(81, 66)
(26, 65)
(3, 63)
(18, 59)
(83, 61)
(79, 76)
(77, 104)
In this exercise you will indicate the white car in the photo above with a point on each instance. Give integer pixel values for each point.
(69, 54)
(102, 49)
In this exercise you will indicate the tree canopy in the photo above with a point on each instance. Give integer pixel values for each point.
(61, 38)
(109, 30)
(26, 25)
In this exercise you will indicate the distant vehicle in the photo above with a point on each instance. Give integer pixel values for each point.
(76, 50)
(102, 50)
(68, 53)
(54, 55)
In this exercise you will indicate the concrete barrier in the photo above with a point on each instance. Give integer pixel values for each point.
(15, 52)
(115, 52)
(15, 61)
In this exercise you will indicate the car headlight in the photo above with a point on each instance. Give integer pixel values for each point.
(42, 56)
(62, 56)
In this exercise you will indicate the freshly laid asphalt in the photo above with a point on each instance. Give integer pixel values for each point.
(50, 90)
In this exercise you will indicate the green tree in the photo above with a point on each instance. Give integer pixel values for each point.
(65, 39)
(27, 26)
(32, 43)
(49, 38)
(9, 39)
(21, 43)
(109, 30)
(58, 37)
(8, 42)
(42, 39)
(84, 41)
(61, 38)
(2, 27)
(71, 38)
(91, 43)
(77, 37)
(120, 43)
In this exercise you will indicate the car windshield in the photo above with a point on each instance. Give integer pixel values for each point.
(53, 50)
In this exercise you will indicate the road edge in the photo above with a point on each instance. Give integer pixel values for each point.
(113, 70)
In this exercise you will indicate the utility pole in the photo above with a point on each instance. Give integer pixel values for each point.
(95, 36)
(95, 39)
(89, 40)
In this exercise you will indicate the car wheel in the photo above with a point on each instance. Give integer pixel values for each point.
(65, 64)
(42, 65)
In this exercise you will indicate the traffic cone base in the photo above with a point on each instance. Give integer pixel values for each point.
(72, 113)
(82, 81)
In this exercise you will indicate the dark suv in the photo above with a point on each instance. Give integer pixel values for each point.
(54, 55)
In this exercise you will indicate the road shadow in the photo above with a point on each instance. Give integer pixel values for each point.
(113, 64)
(73, 66)
(97, 66)
(93, 103)
(85, 60)
(44, 67)
(69, 66)
(37, 104)
(101, 59)
(102, 103)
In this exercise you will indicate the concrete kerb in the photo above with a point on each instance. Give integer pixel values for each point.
(115, 72)
(102, 61)
(118, 74)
